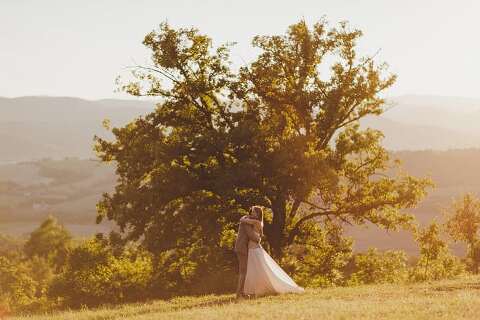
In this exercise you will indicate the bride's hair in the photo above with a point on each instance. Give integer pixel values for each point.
(258, 216)
(258, 212)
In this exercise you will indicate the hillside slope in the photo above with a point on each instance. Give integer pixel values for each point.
(454, 299)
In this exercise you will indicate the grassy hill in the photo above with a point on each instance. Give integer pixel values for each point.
(453, 299)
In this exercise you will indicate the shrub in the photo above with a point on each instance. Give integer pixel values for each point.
(95, 276)
(319, 257)
(379, 267)
(196, 269)
(23, 282)
(17, 288)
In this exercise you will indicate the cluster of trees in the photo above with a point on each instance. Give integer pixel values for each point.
(27, 268)
(50, 270)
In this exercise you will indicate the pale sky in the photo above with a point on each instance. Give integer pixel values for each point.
(77, 48)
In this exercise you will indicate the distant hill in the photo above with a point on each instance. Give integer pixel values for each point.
(454, 172)
(58, 127)
(429, 122)
(457, 114)
(402, 136)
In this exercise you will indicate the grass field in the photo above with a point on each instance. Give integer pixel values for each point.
(454, 299)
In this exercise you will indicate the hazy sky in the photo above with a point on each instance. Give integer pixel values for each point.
(77, 48)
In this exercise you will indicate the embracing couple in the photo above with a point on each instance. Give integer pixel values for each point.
(259, 274)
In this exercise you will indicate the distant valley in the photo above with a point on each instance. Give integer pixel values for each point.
(47, 164)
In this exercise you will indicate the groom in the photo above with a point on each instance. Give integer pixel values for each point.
(245, 233)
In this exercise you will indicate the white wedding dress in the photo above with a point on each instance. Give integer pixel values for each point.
(265, 276)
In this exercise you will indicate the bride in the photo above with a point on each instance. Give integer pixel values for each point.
(264, 275)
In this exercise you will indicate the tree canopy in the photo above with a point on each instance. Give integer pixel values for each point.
(281, 131)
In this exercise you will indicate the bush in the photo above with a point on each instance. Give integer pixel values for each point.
(445, 267)
(95, 276)
(23, 282)
(196, 269)
(319, 257)
(379, 267)
(18, 290)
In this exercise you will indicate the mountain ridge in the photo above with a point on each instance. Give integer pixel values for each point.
(35, 127)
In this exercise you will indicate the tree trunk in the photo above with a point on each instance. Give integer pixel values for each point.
(425, 270)
(473, 256)
(277, 229)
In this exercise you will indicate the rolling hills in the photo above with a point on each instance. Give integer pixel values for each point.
(58, 127)
(46, 144)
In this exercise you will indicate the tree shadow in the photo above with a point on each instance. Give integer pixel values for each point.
(180, 306)
(220, 301)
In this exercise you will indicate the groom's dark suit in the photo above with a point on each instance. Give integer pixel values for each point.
(245, 234)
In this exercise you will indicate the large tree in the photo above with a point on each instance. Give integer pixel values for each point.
(282, 131)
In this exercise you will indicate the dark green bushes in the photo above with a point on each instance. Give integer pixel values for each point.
(94, 276)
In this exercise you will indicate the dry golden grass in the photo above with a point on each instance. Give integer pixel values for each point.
(454, 299)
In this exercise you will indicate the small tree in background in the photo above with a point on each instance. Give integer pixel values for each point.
(435, 261)
(462, 225)
(50, 241)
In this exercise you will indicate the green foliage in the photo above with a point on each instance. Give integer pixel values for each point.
(194, 270)
(19, 290)
(463, 225)
(435, 262)
(10, 248)
(319, 259)
(50, 241)
(379, 267)
(23, 281)
(275, 133)
(95, 276)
